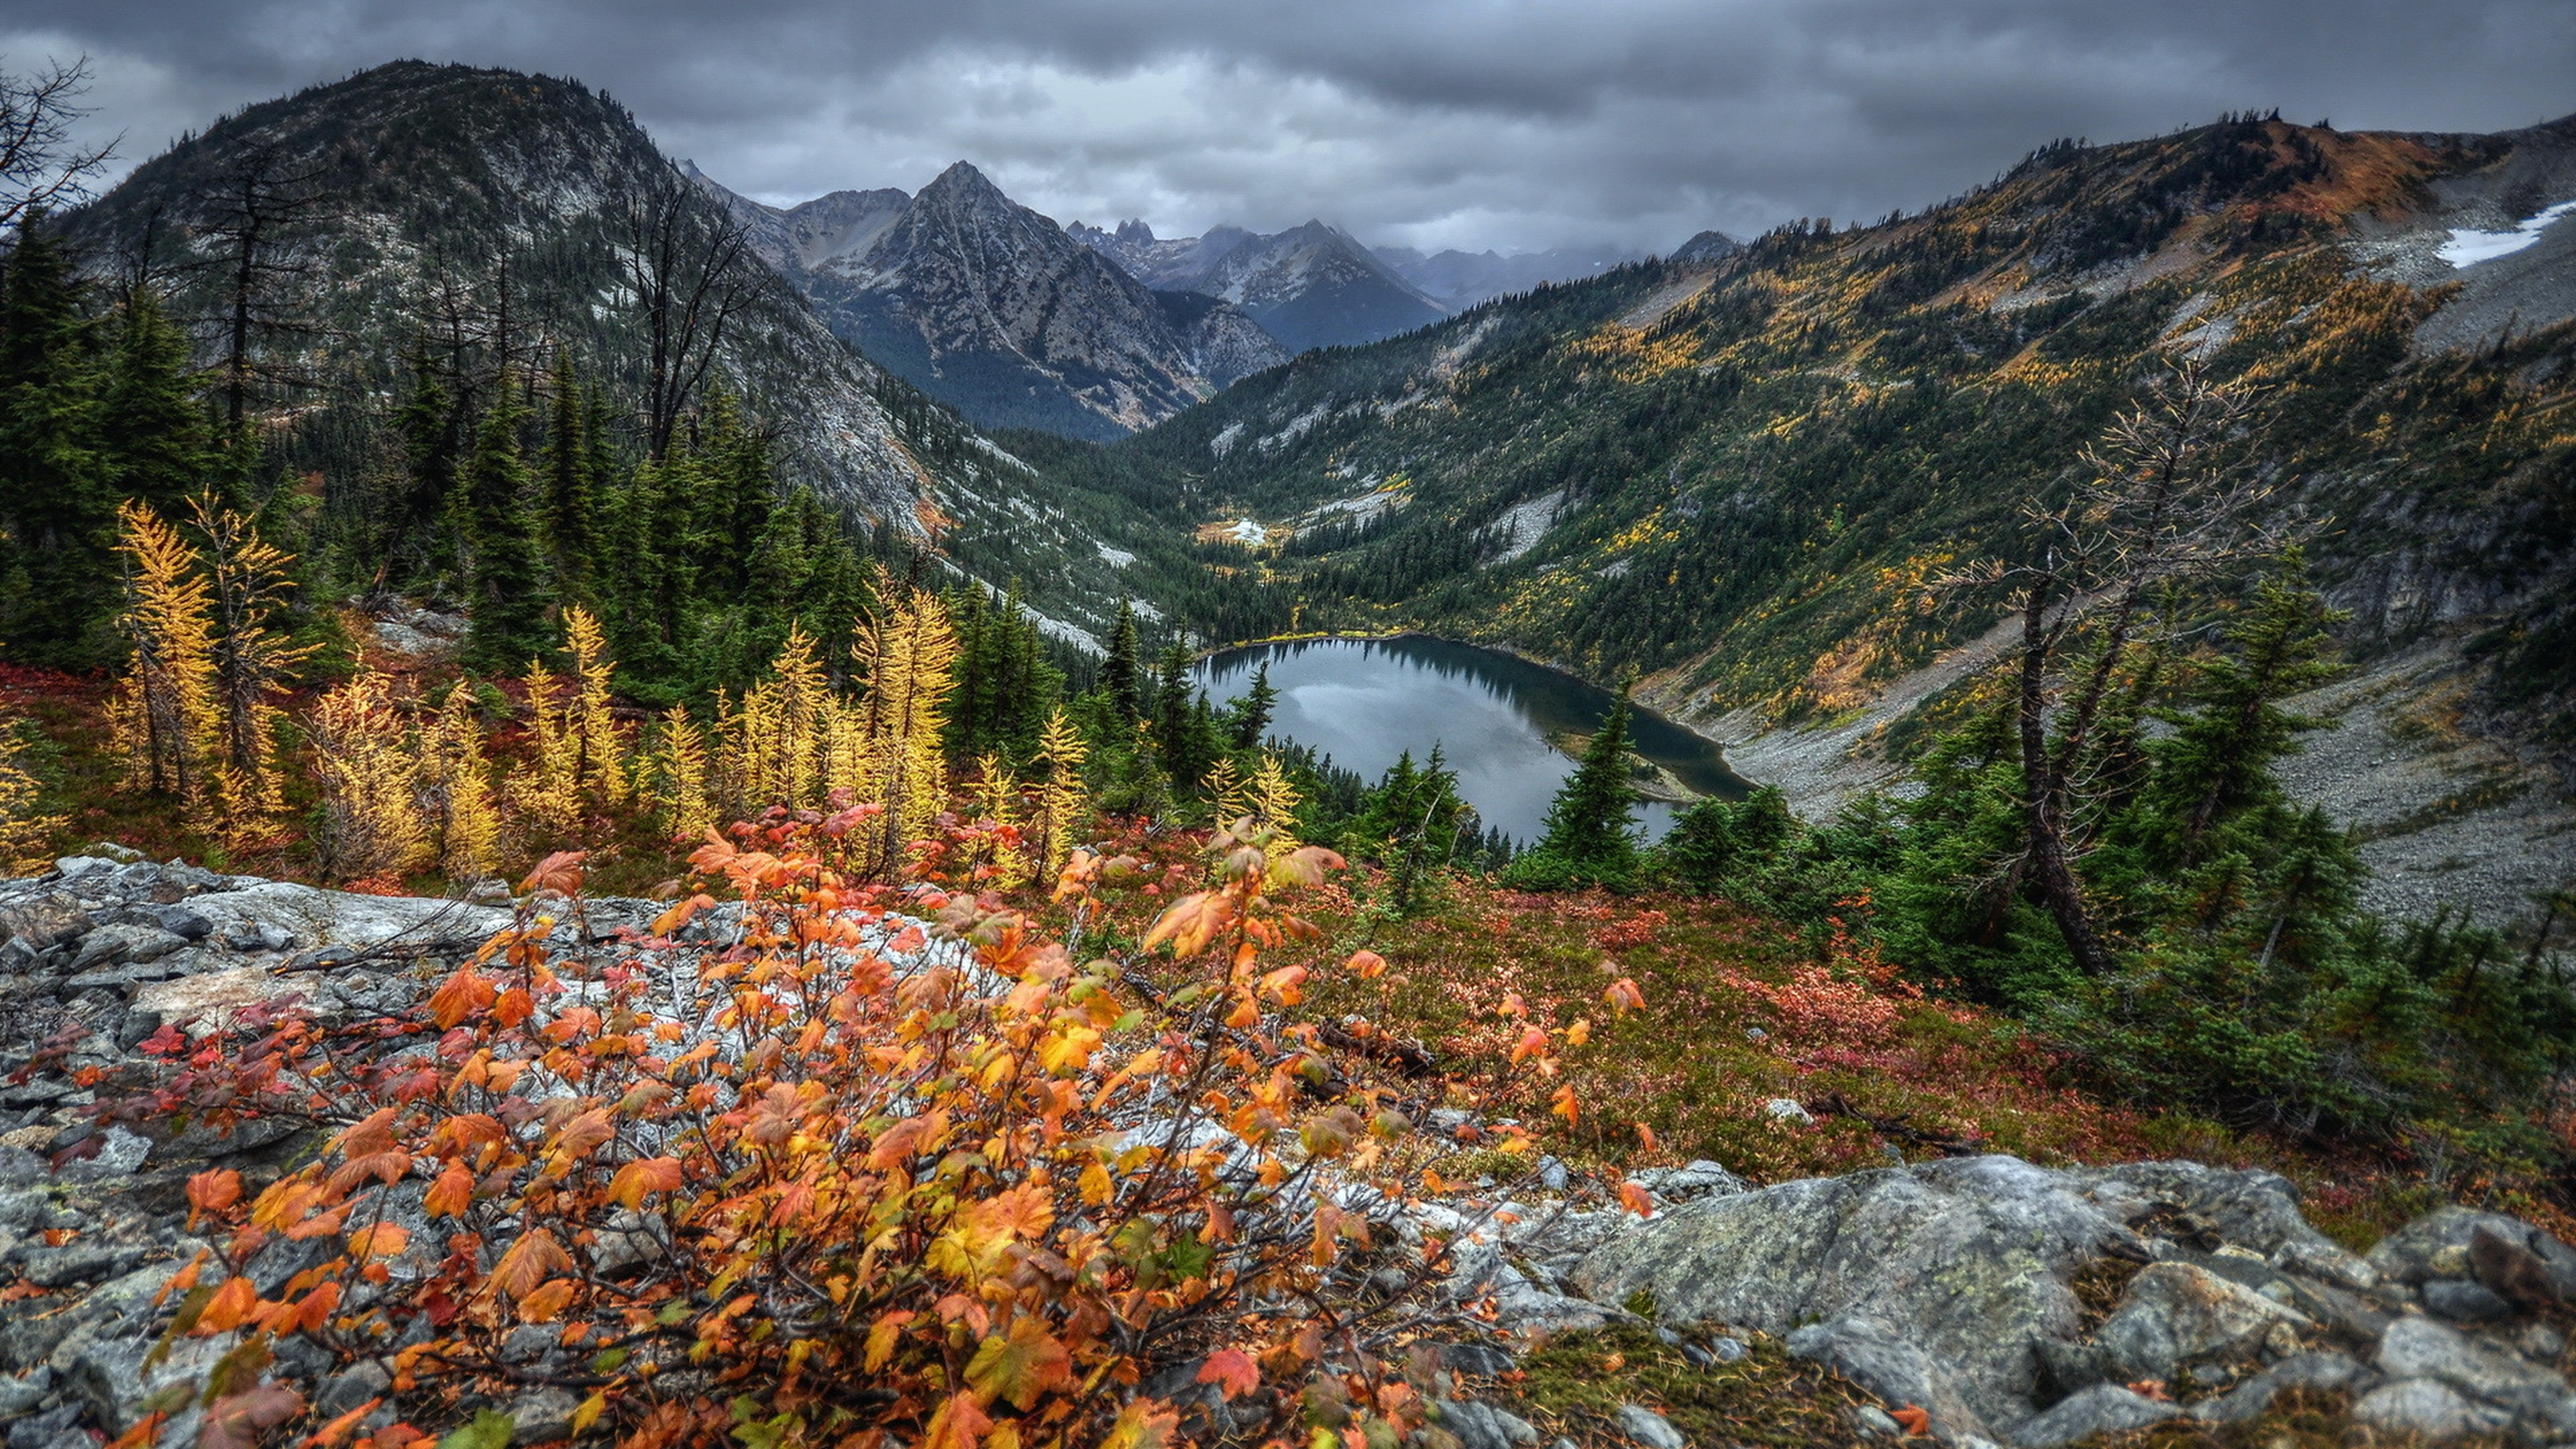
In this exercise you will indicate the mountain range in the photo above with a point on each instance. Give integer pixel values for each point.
(1309, 286)
(994, 310)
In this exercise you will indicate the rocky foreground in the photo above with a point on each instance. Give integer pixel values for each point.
(2010, 1304)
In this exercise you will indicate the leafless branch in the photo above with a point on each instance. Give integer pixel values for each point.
(40, 164)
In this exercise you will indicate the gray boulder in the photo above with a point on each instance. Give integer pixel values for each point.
(1967, 1259)
(2175, 1313)
(2326, 1370)
(2101, 1409)
(1871, 1354)
(1482, 1426)
(1645, 1427)
(2437, 1244)
(2419, 1348)
(2426, 1407)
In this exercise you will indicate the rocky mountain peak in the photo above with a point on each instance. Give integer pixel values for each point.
(997, 311)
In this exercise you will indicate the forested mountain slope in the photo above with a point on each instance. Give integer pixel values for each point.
(1742, 476)
(417, 207)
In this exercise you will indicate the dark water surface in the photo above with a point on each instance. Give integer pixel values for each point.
(1365, 701)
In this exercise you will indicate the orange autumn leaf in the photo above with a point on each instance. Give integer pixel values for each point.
(528, 1262)
(960, 1423)
(212, 1192)
(1368, 964)
(635, 1179)
(548, 1302)
(1912, 1418)
(378, 1240)
(1142, 1425)
(1562, 1104)
(1624, 995)
(559, 872)
(227, 1310)
(1232, 1371)
(1192, 922)
(881, 1338)
(451, 1194)
(462, 995)
(1636, 1200)
(1533, 1043)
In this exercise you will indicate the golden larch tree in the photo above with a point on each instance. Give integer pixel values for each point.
(248, 584)
(456, 789)
(674, 777)
(1062, 801)
(549, 795)
(370, 776)
(165, 715)
(598, 748)
(1273, 801)
(23, 831)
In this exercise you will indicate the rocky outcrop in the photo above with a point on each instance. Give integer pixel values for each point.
(1960, 1287)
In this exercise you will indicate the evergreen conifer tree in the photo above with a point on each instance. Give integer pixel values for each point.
(57, 498)
(509, 584)
(1589, 839)
(153, 425)
(571, 484)
(1250, 712)
(1122, 673)
(420, 543)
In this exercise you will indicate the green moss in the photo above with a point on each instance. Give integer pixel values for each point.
(1572, 1389)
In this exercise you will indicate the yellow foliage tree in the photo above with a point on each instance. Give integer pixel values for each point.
(1062, 802)
(549, 796)
(164, 714)
(22, 831)
(674, 777)
(1273, 801)
(778, 736)
(371, 783)
(599, 752)
(997, 800)
(252, 660)
(456, 790)
(1224, 790)
(909, 653)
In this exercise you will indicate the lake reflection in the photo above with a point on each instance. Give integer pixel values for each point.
(1365, 701)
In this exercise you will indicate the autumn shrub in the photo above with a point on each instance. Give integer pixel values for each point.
(796, 1169)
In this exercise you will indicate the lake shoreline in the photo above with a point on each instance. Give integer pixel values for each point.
(1362, 698)
(1509, 650)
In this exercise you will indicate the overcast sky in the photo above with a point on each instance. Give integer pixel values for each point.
(1516, 124)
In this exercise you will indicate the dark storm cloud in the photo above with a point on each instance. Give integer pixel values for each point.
(1502, 122)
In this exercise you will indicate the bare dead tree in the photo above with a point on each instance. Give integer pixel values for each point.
(39, 162)
(261, 208)
(2166, 502)
(684, 261)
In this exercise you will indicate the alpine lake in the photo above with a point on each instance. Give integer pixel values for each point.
(1510, 728)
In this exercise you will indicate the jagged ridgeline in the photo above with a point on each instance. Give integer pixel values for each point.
(465, 224)
(1739, 473)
